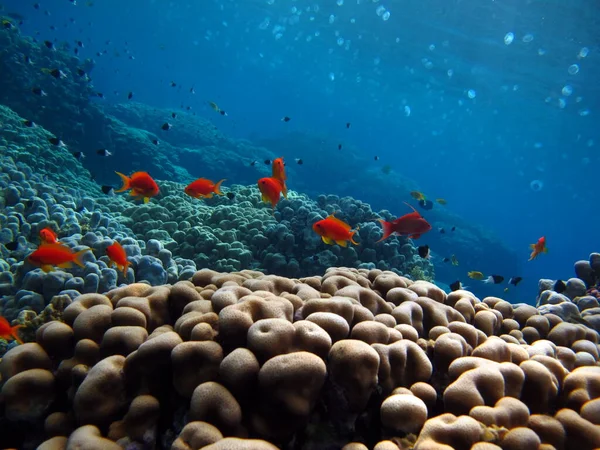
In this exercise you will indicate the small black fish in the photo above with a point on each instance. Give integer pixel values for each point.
(174, 115)
(267, 162)
(103, 152)
(79, 156)
(107, 189)
(39, 91)
(299, 161)
(339, 146)
(81, 72)
(453, 229)
(49, 45)
(223, 113)
(456, 286)
(80, 44)
(253, 163)
(441, 230)
(173, 84)
(130, 96)
(347, 124)
(376, 158)
(230, 195)
(36, 6)
(27, 59)
(495, 279)
(155, 141)
(559, 286)
(446, 260)
(56, 141)
(515, 280)
(166, 126)
(423, 251)
(76, 51)
(7, 24)
(286, 119)
(29, 123)
(192, 90)
(57, 73)
(12, 246)
(426, 204)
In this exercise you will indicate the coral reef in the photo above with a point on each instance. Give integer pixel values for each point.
(166, 240)
(357, 358)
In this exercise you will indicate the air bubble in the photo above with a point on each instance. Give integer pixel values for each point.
(567, 90)
(536, 185)
(386, 15)
(573, 69)
(340, 41)
(340, 2)
(562, 103)
(583, 52)
(332, 76)
(380, 10)
(450, 73)
(584, 112)
(509, 38)
(541, 51)
(528, 38)
(471, 93)
(431, 47)
(407, 111)
(331, 19)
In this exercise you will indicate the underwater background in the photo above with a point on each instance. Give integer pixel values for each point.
(299, 224)
(469, 102)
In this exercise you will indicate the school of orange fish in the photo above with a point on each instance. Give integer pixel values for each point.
(51, 253)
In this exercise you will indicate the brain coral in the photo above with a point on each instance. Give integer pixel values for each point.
(247, 360)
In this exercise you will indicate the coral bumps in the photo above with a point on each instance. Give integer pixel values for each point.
(354, 359)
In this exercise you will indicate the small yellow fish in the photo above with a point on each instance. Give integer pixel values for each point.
(417, 195)
(215, 107)
(441, 201)
(454, 260)
(475, 275)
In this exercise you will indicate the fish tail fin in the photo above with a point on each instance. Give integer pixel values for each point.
(545, 250)
(532, 246)
(283, 188)
(387, 229)
(77, 257)
(352, 237)
(14, 333)
(126, 182)
(125, 268)
(217, 189)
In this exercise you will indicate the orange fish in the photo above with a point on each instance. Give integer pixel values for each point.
(141, 185)
(49, 255)
(538, 247)
(203, 188)
(7, 332)
(48, 236)
(335, 230)
(118, 257)
(412, 225)
(270, 188)
(279, 174)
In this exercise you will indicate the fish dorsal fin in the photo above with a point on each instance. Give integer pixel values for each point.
(412, 207)
(339, 221)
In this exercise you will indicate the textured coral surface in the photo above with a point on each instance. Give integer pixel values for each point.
(354, 359)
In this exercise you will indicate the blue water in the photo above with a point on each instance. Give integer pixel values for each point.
(437, 91)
